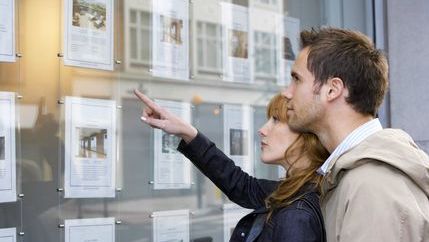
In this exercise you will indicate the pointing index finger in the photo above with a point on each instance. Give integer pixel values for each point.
(151, 104)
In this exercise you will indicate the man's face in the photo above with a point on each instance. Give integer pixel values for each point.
(305, 109)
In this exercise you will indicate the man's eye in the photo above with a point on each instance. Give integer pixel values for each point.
(295, 79)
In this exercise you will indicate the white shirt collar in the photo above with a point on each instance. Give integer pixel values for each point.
(353, 139)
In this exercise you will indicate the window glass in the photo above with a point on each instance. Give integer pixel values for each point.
(70, 76)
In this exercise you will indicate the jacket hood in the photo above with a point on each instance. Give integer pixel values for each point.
(393, 147)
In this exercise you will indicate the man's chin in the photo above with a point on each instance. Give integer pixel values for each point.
(296, 126)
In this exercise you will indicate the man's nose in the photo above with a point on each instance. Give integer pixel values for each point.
(287, 93)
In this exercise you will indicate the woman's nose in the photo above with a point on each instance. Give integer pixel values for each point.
(262, 131)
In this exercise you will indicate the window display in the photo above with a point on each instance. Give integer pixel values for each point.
(72, 144)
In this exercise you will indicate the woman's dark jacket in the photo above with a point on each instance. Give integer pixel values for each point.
(300, 221)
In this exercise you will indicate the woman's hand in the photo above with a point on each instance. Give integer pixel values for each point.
(160, 118)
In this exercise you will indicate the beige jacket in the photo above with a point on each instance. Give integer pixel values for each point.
(378, 191)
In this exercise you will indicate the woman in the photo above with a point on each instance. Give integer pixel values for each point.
(283, 211)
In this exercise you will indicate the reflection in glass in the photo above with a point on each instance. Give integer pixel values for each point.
(2, 147)
(133, 16)
(209, 47)
(265, 55)
(238, 44)
(238, 142)
(139, 38)
(171, 30)
(92, 143)
(133, 43)
(288, 51)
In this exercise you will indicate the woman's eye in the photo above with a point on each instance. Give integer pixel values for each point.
(275, 119)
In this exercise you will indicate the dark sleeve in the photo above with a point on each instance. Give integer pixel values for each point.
(241, 188)
(297, 225)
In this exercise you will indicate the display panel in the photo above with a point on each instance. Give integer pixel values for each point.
(238, 135)
(90, 147)
(88, 37)
(232, 213)
(290, 47)
(171, 226)
(94, 230)
(7, 147)
(171, 169)
(170, 52)
(238, 51)
(7, 30)
(8, 235)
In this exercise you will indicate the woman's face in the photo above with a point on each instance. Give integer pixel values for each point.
(276, 137)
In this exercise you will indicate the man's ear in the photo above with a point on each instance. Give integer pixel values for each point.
(336, 88)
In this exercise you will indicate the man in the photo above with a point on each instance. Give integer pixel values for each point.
(376, 183)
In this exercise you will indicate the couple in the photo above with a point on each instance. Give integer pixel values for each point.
(374, 185)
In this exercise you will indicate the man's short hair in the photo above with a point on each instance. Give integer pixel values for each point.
(352, 57)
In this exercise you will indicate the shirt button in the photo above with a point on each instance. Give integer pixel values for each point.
(243, 234)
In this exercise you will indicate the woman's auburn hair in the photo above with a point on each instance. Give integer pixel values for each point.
(306, 146)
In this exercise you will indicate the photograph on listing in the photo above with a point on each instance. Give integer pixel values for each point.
(92, 143)
(169, 143)
(89, 14)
